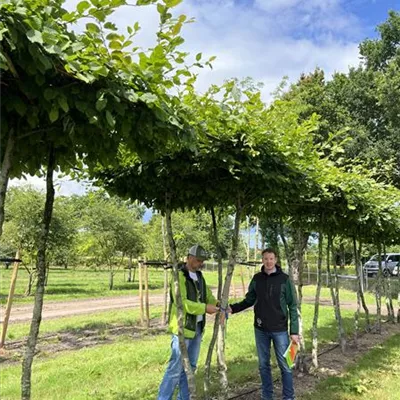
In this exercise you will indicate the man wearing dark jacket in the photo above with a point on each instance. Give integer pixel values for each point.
(273, 295)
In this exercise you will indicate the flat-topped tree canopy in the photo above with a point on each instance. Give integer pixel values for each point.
(195, 179)
(347, 202)
(244, 162)
(60, 87)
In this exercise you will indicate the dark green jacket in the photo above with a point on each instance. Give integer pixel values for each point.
(195, 297)
(274, 300)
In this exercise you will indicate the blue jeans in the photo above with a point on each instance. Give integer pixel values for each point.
(175, 374)
(281, 343)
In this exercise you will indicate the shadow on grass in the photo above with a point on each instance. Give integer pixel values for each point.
(134, 286)
(70, 290)
(91, 326)
(66, 284)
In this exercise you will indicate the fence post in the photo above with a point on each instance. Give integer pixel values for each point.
(141, 293)
(10, 299)
(146, 289)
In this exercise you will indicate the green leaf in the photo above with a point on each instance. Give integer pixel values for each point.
(172, 3)
(127, 43)
(148, 98)
(160, 8)
(83, 6)
(111, 26)
(19, 106)
(110, 119)
(63, 103)
(198, 56)
(144, 2)
(93, 28)
(101, 103)
(115, 45)
(113, 36)
(35, 36)
(49, 94)
(176, 29)
(69, 17)
(53, 114)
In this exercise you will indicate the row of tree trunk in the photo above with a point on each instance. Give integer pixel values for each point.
(295, 262)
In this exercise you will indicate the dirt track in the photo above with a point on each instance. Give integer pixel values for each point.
(52, 310)
(59, 309)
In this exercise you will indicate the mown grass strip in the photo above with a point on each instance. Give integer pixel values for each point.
(132, 369)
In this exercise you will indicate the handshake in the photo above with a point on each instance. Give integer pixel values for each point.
(212, 309)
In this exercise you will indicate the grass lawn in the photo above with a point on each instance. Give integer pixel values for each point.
(67, 284)
(100, 320)
(78, 284)
(376, 376)
(132, 369)
(70, 284)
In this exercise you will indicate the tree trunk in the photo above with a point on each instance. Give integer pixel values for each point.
(388, 290)
(111, 279)
(141, 293)
(248, 237)
(5, 173)
(182, 345)
(398, 293)
(165, 310)
(301, 240)
(360, 290)
(357, 313)
(146, 291)
(314, 352)
(207, 366)
(342, 334)
(256, 239)
(224, 302)
(342, 254)
(334, 287)
(31, 279)
(41, 271)
(242, 280)
(47, 275)
(130, 268)
(134, 274)
(287, 252)
(378, 290)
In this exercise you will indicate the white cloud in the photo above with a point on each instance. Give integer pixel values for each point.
(248, 42)
(266, 41)
(63, 186)
(272, 39)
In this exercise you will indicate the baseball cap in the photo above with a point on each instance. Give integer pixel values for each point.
(198, 252)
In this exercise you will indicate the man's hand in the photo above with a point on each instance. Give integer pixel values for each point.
(295, 338)
(222, 316)
(211, 309)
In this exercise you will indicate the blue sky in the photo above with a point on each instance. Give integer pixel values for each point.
(264, 39)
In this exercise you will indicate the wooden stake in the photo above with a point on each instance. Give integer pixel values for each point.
(9, 301)
(141, 294)
(146, 290)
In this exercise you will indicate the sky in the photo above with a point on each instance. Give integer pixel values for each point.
(263, 39)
